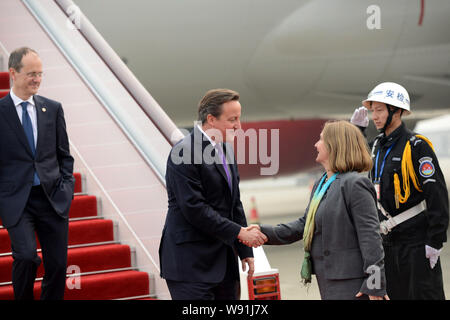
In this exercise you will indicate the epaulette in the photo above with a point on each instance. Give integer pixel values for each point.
(414, 140)
(417, 138)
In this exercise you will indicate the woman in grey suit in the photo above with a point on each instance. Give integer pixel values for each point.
(340, 229)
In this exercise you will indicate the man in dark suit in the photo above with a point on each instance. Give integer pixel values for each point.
(205, 221)
(36, 181)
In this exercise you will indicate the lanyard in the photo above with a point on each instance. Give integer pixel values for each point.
(378, 176)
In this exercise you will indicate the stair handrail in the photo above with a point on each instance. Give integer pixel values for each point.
(92, 175)
(144, 99)
(3, 57)
(152, 156)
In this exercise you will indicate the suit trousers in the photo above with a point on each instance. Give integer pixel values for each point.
(408, 272)
(228, 289)
(39, 218)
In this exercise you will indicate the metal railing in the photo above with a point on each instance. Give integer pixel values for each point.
(136, 132)
(4, 54)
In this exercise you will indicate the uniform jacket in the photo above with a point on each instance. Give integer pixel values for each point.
(204, 216)
(352, 245)
(52, 160)
(432, 224)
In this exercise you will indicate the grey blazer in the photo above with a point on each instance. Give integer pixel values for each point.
(352, 245)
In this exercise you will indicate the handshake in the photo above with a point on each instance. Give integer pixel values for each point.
(252, 236)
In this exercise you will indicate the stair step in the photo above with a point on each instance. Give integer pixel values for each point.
(87, 259)
(105, 266)
(112, 285)
(88, 231)
(83, 231)
(78, 182)
(83, 206)
(4, 80)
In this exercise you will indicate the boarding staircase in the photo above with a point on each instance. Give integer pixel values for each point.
(120, 139)
(99, 266)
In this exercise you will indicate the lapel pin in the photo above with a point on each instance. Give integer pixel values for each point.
(44, 109)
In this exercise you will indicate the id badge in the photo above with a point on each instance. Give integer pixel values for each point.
(377, 189)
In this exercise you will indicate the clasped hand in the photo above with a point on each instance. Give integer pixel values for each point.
(252, 236)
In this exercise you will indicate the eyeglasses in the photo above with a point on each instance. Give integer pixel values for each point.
(34, 74)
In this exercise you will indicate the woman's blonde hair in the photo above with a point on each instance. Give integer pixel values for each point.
(347, 147)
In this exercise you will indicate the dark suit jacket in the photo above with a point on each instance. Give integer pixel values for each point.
(351, 238)
(52, 160)
(204, 215)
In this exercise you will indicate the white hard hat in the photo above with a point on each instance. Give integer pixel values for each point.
(389, 93)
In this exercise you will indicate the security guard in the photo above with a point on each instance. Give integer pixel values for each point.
(412, 196)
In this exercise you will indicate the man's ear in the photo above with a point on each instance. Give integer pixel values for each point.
(12, 73)
(398, 112)
(210, 119)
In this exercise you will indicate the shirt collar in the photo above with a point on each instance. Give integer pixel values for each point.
(16, 100)
(210, 140)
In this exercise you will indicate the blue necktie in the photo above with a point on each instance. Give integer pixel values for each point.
(28, 128)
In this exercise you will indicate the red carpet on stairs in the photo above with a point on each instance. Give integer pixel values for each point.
(84, 231)
(112, 285)
(114, 256)
(78, 183)
(4, 81)
(84, 206)
(105, 265)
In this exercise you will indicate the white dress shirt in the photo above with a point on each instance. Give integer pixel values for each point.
(210, 140)
(213, 143)
(31, 108)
